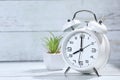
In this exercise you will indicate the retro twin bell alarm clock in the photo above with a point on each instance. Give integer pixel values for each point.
(85, 49)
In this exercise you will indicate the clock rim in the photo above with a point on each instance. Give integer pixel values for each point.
(106, 53)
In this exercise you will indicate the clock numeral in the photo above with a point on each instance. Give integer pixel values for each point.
(88, 38)
(80, 63)
(74, 61)
(69, 49)
(75, 38)
(70, 55)
(93, 50)
(92, 57)
(86, 61)
(92, 43)
(71, 42)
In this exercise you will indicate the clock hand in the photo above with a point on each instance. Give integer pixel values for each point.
(76, 51)
(79, 58)
(81, 49)
(88, 45)
(81, 44)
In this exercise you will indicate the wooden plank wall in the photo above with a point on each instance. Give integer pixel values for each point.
(23, 25)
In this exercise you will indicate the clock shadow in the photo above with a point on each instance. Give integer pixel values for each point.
(63, 77)
(58, 76)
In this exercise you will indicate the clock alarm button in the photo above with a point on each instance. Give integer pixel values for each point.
(71, 25)
(100, 28)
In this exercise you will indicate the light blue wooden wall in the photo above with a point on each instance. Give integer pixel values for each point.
(23, 24)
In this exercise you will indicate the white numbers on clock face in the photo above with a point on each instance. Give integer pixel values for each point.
(81, 50)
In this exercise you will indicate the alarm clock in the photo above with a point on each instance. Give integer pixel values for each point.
(85, 48)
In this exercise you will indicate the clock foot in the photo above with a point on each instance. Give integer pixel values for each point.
(95, 70)
(68, 68)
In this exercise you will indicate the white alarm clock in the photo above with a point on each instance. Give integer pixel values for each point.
(85, 49)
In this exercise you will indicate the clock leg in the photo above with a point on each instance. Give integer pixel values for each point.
(95, 70)
(68, 68)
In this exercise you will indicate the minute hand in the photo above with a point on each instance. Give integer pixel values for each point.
(87, 45)
(81, 45)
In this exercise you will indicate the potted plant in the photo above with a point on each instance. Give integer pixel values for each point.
(53, 58)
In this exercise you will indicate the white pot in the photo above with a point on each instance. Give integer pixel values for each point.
(53, 61)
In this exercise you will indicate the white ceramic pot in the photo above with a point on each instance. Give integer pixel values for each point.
(53, 61)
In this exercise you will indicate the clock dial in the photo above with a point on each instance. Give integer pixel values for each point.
(81, 50)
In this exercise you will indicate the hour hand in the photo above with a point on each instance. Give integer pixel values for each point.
(76, 51)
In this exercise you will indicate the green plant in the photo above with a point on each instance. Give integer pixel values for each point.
(53, 43)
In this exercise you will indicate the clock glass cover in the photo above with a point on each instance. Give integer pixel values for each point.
(81, 50)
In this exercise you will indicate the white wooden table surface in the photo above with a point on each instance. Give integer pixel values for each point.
(38, 71)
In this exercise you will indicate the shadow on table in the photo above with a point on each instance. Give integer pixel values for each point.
(62, 77)
(43, 74)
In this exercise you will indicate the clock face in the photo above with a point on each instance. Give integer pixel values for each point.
(81, 50)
